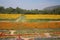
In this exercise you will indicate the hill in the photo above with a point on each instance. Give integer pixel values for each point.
(52, 7)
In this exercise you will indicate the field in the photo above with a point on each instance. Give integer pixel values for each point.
(29, 16)
(29, 26)
(31, 21)
(26, 25)
(40, 16)
(9, 16)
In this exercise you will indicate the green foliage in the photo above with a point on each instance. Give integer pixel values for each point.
(18, 10)
(2, 9)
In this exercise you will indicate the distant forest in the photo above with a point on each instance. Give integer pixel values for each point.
(17, 10)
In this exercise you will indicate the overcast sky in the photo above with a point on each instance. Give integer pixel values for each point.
(29, 4)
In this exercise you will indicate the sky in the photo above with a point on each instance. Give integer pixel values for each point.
(29, 4)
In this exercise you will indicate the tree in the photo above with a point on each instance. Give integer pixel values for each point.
(9, 10)
(2, 9)
(19, 10)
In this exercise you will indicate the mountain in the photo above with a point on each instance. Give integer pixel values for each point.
(52, 7)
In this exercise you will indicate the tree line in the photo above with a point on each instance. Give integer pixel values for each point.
(18, 10)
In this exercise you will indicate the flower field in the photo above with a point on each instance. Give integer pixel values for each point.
(18, 25)
(40, 16)
(27, 25)
(29, 16)
(9, 16)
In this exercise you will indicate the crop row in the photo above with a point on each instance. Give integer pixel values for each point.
(29, 16)
(27, 25)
